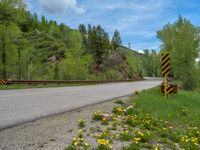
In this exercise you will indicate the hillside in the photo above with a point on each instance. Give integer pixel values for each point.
(37, 48)
(131, 51)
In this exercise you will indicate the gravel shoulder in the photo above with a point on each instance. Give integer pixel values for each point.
(51, 132)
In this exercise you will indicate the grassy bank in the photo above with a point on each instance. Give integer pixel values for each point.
(183, 108)
(147, 120)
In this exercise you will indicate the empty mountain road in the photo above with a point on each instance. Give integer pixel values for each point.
(19, 106)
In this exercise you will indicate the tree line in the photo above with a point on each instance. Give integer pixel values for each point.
(37, 48)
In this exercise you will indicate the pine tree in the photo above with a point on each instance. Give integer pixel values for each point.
(116, 40)
(82, 29)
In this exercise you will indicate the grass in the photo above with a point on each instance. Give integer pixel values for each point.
(183, 108)
(31, 86)
(151, 121)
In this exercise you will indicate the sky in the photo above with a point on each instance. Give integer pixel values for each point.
(136, 20)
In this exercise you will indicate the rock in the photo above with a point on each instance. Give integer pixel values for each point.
(108, 116)
(128, 108)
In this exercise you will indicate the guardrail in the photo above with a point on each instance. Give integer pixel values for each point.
(8, 82)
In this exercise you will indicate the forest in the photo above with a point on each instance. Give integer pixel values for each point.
(37, 48)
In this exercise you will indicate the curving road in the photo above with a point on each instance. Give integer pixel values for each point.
(19, 106)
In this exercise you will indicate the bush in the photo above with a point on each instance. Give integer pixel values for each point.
(110, 74)
(190, 81)
(75, 68)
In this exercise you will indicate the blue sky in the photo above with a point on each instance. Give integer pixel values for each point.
(137, 20)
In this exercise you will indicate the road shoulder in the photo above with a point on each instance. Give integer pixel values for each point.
(53, 132)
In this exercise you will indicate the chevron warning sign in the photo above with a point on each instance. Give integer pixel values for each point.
(3, 81)
(165, 64)
(170, 89)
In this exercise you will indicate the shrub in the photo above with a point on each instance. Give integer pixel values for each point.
(189, 82)
(126, 136)
(81, 123)
(119, 111)
(96, 116)
(103, 144)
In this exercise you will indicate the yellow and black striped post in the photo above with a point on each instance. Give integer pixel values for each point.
(165, 72)
(170, 89)
(165, 64)
(3, 81)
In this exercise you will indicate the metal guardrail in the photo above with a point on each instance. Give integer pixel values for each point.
(8, 82)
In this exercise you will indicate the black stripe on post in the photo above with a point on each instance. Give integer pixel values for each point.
(170, 89)
(164, 56)
(165, 64)
(166, 61)
(2, 81)
(166, 72)
(166, 67)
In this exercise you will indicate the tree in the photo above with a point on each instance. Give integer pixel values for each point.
(116, 40)
(8, 50)
(181, 40)
(147, 63)
(89, 28)
(82, 29)
(32, 48)
(14, 3)
(31, 23)
(44, 24)
(156, 63)
(99, 43)
(12, 11)
(23, 56)
(151, 63)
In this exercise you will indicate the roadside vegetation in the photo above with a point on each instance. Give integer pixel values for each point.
(148, 120)
(182, 40)
(34, 48)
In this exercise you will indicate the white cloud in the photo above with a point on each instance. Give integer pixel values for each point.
(55, 6)
(140, 46)
(141, 51)
(137, 5)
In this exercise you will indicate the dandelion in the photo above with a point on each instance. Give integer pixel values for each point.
(103, 142)
(156, 147)
(119, 110)
(110, 146)
(97, 115)
(81, 123)
(104, 121)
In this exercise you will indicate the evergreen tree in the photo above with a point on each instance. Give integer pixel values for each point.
(89, 28)
(99, 43)
(44, 24)
(116, 40)
(82, 29)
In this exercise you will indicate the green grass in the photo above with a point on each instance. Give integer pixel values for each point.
(183, 108)
(30, 86)
(151, 121)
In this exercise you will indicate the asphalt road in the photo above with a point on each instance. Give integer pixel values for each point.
(20, 106)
